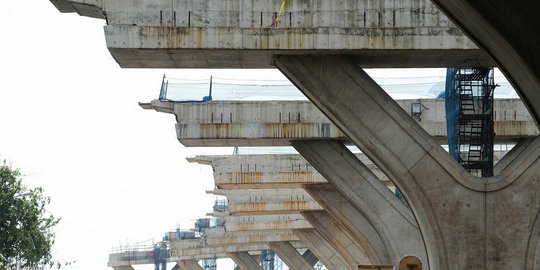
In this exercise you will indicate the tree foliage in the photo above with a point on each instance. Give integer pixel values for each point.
(26, 235)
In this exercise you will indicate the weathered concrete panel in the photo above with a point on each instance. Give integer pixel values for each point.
(270, 123)
(245, 34)
(266, 222)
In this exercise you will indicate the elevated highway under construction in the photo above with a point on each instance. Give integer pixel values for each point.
(452, 212)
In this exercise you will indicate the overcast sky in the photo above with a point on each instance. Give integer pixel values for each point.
(70, 121)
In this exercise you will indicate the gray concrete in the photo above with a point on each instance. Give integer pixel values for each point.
(215, 244)
(326, 253)
(265, 222)
(243, 202)
(310, 257)
(338, 237)
(290, 256)
(241, 34)
(508, 32)
(391, 218)
(218, 236)
(353, 220)
(273, 123)
(189, 265)
(244, 260)
(280, 171)
(466, 222)
(178, 252)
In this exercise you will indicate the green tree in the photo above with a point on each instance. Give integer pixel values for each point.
(26, 235)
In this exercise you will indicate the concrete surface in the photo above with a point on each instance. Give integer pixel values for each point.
(338, 237)
(276, 123)
(466, 222)
(326, 253)
(243, 202)
(266, 222)
(242, 33)
(267, 171)
(290, 256)
(244, 261)
(188, 265)
(390, 217)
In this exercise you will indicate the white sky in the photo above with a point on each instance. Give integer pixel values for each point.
(70, 120)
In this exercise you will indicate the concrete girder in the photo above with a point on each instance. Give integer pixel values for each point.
(242, 34)
(269, 208)
(267, 171)
(221, 237)
(217, 242)
(207, 251)
(290, 255)
(326, 253)
(266, 222)
(508, 32)
(244, 260)
(338, 237)
(234, 173)
(310, 257)
(273, 123)
(353, 220)
(390, 217)
(466, 222)
(125, 259)
(189, 265)
(269, 201)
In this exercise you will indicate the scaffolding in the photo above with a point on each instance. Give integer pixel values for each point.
(469, 113)
(221, 205)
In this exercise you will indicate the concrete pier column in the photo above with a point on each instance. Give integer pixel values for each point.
(466, 222)
(189, 265)
(290, 255)
(391, 218)
(326, 253)
(338, 237)
(310, 257)
(244, 260)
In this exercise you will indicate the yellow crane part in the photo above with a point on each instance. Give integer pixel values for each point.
(278, 16)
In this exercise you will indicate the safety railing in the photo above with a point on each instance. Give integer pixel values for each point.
(215, 88)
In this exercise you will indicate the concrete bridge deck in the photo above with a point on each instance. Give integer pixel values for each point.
(267, 171)
(276, 123)
(244, 34)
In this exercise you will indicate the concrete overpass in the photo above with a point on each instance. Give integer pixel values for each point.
(466, 223)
